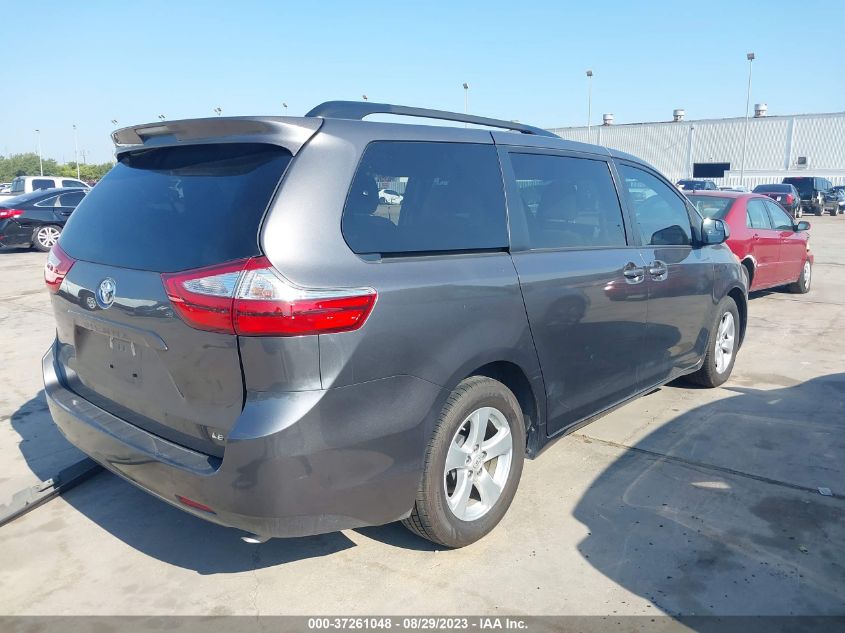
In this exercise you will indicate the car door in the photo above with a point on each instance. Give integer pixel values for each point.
(765, 243)
(679, 275)
(582, 280)
(65, 204)
(792, 248)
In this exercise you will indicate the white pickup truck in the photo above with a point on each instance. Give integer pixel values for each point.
(28, 184)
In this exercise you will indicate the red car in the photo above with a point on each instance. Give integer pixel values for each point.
(772, 245)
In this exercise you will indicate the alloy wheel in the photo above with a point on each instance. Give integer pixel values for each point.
(725, 338)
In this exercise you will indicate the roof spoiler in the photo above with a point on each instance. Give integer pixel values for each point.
(357, 110)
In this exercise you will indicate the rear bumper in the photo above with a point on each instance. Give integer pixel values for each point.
(295, 464)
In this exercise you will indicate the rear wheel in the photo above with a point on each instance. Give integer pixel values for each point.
(799, 211)
(472, 464)
(45, 237)
(802, 285)
(721, 350)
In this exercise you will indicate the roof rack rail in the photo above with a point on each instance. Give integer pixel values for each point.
(359, 109)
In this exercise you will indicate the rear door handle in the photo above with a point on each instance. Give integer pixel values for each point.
(658, 270)
(633, 274)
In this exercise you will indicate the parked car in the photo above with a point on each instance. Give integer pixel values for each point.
(389, 196)
(739, 188)
(5, 187)
(812, 190)
(28, 184)
(835, 200)
(772, 246)
(697, 185)
(305, 365)
(785, 195)
(36, 219)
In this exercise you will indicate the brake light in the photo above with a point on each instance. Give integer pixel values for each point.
(57, 267)
(5, 214)
(250, 298)
(789, 198)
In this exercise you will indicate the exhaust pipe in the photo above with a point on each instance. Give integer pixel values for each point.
(254, 539)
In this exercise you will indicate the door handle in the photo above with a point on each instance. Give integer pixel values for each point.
(633, 274)
(658, 270)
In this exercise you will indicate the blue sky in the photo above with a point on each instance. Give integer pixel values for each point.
(93, 61)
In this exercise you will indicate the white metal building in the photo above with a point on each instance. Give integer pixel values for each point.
(778, 146)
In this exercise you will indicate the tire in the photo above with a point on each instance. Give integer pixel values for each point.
(45, 237)
(798, 212)
(476, 399)
(382, 201)
(716, 369)
(802, 285)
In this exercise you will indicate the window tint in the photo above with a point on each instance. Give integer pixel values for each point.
(756, 216)
(659, 212)
(18, 185)
(73, 183)
(70, 199)
(568, 202)
(452, 199)
(177, 208)
(780, 219)
(42, 183)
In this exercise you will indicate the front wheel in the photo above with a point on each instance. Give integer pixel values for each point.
(46, 237)
(473, 464)
(802, 285)
(721, 350)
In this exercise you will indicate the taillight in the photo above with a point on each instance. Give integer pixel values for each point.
(57, 267)
(5, 214)
(789, 198)
(249, 298)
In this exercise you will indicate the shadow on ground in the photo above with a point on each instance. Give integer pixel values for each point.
(731, 522)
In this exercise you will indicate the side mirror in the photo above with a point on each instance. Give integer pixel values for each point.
(802, 226)
(714, 231)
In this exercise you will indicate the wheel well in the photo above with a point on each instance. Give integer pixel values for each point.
(512, 376)
(749, 266)
(742, 306)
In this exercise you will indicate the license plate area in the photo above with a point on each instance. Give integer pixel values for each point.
(108, 356)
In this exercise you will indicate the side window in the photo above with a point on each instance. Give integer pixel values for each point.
(780, 219)
(452, 199)
(756, 216)
(659, 212)
(70, 199)
(568, 202)
(47, 202)
(73, 183)
(42, 183)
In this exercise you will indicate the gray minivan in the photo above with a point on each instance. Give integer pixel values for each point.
(245, 331)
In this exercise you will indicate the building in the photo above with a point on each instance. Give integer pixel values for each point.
(777, 146)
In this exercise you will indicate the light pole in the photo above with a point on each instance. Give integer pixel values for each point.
(218, 111)
(76, 151)
(114, 122)
(750, 58)
(364, 97)
(466, 100)
(285, 105)
(589, 101)
(40, 161)
(161, 117)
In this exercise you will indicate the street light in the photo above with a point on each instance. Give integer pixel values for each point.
(285, 105)
(218, 111)
(364, 97)
(40, 162)
(76, 151)
(589, 101)
(750, 58)
(466, 100)
(114, 122)
(161, 117)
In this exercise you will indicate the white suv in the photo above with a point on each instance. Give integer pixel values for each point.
(28, 184)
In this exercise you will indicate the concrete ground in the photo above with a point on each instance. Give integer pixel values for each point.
(687, 501)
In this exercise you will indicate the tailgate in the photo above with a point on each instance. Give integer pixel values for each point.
(120, 344)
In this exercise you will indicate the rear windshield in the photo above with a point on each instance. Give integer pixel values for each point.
(803, 185)
(772, 188)
(177, 208)
(712, 206)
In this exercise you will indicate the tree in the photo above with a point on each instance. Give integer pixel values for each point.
(27, 165)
